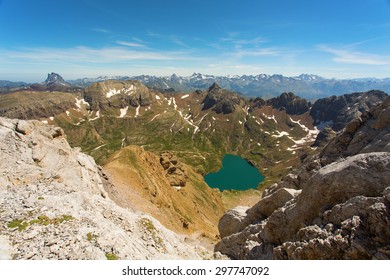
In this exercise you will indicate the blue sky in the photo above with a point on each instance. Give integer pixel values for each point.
(88, 38)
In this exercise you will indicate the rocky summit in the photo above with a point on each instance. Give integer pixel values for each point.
(337, 206)
(53, 204)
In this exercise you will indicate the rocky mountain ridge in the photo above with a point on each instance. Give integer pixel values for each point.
(266, 86)
(53, 205)
(308, 86)
(337, 206)
(112, 114)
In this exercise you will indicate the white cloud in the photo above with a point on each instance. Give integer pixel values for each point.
(130, 44)
(83, 54)
(100, 30)
(355, 57)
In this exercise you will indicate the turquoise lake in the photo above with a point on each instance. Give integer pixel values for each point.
(236, 174)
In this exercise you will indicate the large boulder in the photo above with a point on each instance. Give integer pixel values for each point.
(232, 221)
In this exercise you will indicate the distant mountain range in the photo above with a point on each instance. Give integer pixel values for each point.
(266, 86)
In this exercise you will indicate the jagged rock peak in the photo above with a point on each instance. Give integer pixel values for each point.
(54, 78)
(294, 105)
(214, 86)
(221, 100)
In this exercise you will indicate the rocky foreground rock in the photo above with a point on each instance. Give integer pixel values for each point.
(53, 205)
(336, 207)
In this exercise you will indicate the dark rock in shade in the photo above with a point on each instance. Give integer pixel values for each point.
(368, 133)
(337, 111)
(55, 79)
(293, 104)
(324, 137)
(221, 100)
(258, 102)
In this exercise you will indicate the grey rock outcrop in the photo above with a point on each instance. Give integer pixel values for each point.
(340, 208)
(53, 204)
(337, 111)
(368, 133)
(232, 221)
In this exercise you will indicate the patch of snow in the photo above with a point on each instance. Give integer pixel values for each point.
(130, 90)
(154, 117)
(67, 113)
(137, 111)
(185, 96)
(45, 122)
(213, 118)
(272, 117)
(259, 122)
(80, 121)
(97, 148)
(258, 144)
(112, 92)
(51, 118)
(280, 134)
(310, 137)
(208, 126)
(174, 103)
(240, 122)
(96, 116)
(158, 97)
(322, 125)
(123, 111)
(80, 102)
(170, 129)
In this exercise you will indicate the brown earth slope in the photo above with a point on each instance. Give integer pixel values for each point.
(141, 182)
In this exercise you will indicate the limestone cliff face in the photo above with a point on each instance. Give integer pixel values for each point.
(336, 207)
(53, 204)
